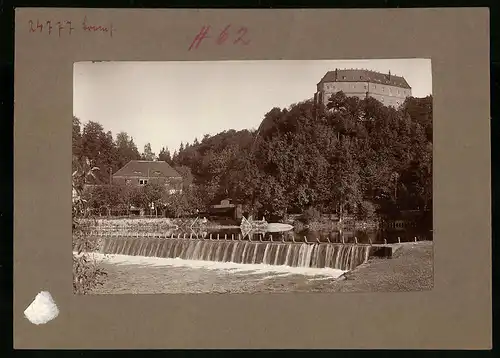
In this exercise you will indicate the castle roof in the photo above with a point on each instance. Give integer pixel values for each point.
(362, 75)
(145, 168)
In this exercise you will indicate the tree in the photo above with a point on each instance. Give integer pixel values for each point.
(153, 195)
(98, 146)
(342, 157)
(77, 137)
(87, 274)
(187, 176)
(148, 153)
(164, 155)
(346, 185)
(126, 149)
(107, 197)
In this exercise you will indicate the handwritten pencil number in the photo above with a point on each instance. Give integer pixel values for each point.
(38, 27)
(66, 26)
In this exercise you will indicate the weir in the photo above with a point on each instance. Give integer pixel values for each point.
(307, 255)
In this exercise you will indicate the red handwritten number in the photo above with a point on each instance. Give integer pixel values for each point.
(242, 31)
(70, 27)
(49, 26)
(60, 27)
(39, 26)
(66, 25)
(32, 29)
(223, 35)
(203, 34)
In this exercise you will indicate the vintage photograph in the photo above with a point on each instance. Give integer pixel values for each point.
(252, 176)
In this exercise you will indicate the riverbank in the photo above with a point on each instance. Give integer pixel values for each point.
(410, 269)
(152, 224)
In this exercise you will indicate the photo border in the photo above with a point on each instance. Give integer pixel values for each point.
(455, 314)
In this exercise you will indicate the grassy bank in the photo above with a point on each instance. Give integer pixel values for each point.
(410, 269)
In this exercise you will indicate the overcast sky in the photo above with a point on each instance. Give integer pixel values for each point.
(166, 103)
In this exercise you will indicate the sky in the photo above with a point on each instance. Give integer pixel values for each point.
(166, 103)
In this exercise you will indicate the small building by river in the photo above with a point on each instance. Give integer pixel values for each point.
(226, 209)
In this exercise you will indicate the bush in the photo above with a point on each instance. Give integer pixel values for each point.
(311, 215)
(86, 273)
(366, 210)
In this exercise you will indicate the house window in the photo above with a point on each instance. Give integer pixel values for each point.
(143, 181)
(128, 181)
(343, 77)
(365, 87)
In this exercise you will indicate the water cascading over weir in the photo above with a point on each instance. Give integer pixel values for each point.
(307, 255)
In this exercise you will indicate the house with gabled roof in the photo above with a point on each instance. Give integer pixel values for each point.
(142, 172)
(389, 89)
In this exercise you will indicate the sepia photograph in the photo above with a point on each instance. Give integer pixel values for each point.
(252, 176)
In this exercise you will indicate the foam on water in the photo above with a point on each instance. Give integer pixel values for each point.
(300, 255)
(251, 269)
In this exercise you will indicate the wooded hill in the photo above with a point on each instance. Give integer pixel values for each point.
(354, 157)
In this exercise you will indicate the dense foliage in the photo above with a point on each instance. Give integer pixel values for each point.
(354, 157)
(87, 274)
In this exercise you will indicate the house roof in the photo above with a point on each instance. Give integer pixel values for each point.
(147, 168)
(362, 75)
